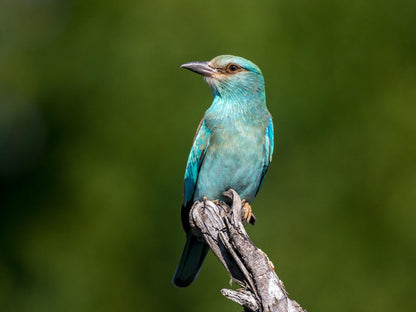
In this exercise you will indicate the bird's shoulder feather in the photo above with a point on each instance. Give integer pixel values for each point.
(269, 147)
(195, 159)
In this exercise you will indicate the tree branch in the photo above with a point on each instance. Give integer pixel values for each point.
(221, 227)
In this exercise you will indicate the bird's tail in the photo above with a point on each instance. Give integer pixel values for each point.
(193, 256)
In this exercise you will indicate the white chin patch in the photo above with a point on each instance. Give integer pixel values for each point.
(210, 81)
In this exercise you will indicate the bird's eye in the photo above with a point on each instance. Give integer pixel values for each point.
(232, 68)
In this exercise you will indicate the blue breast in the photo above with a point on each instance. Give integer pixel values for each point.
(234, 159)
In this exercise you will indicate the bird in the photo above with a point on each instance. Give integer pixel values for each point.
(232, 147)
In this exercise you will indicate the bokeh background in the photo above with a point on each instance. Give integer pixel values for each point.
(97, 119)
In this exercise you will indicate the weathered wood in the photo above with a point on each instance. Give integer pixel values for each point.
(221, 227)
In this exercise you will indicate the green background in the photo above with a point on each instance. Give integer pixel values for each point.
(97, 119)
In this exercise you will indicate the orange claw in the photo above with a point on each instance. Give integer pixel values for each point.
(247, 212)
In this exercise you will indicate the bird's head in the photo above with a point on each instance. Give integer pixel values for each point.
(229, 75)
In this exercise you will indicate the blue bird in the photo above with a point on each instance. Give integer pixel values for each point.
(232, 148)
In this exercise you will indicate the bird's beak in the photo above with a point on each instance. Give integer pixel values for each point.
(201, 68)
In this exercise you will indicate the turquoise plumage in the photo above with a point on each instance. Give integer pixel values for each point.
(232, 148)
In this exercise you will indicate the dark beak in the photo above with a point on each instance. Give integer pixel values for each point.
(201, 68)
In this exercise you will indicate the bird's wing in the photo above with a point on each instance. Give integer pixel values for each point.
(195, 159)
(269, 145)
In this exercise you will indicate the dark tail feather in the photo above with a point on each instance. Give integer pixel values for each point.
(193, 256)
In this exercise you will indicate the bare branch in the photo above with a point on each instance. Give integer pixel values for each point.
(221, 227)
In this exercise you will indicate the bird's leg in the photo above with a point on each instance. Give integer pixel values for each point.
(248, 216)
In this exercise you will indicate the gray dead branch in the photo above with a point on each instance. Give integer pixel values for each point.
(221, 227)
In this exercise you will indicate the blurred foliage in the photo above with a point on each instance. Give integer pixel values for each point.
(96, 121)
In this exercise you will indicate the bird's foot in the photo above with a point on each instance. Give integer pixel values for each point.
(215, 201)
(248, 216)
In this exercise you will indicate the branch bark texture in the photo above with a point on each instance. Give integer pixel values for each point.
(221, 227)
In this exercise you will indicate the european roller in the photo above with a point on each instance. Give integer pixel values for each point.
(232, 148)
